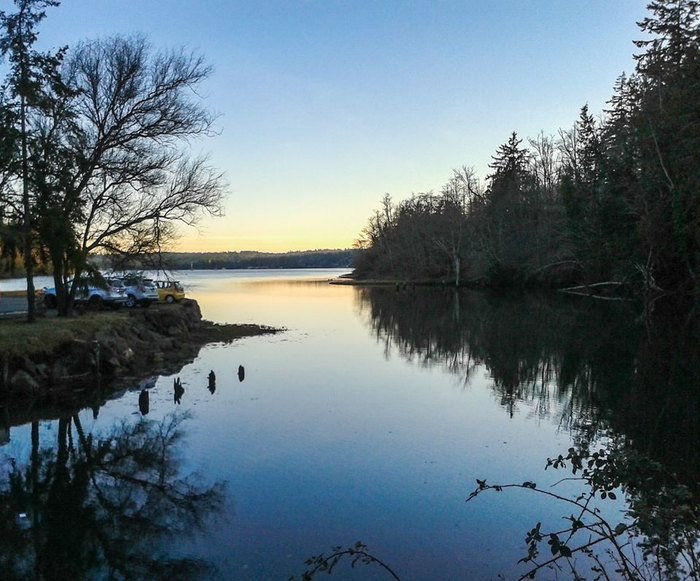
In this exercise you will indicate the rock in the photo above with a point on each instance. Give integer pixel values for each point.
(112, 365)
(23, 384)
(37, 370)
(59, 369)
(42, 370)
(164, 338)
(29, 366)
(5, 372)
(108, 357)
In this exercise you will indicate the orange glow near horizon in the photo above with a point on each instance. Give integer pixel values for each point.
(307, 231)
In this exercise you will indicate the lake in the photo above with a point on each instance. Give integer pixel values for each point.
(368, 419)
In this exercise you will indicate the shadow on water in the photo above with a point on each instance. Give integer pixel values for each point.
(88, 507)
(591, 365)
(626, 386)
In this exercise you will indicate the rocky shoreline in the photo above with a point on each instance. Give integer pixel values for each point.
(137, 342)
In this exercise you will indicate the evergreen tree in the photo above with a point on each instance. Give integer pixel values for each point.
(512, 210)
(25, 93)
(666, 124)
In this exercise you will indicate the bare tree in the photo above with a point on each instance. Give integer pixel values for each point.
(458, 196)
(545, 163)
(568, 146)
(119, 168)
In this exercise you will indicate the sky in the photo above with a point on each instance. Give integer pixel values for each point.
(326, 105)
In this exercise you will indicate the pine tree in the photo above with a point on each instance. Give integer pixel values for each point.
(666, 123)
(30, 72)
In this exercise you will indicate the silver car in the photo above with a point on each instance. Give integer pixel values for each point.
(139, 291)
(111, 295)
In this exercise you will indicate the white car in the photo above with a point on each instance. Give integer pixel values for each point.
(111, 295)
(139, 291)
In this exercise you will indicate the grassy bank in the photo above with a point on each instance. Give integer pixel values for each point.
(17, 337)
(49, 359)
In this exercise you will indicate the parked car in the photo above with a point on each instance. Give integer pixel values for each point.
(170, 291)
(139, 291)
(111, 295)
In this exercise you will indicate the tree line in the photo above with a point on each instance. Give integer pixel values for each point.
(326, 258)
(96, 150)
(613, 200)
(251, 259)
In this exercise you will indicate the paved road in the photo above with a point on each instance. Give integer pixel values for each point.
(10, 305)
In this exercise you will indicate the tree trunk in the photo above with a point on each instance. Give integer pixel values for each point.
(26, 208)
(64, 302)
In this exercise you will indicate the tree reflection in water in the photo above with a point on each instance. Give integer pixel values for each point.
(595, 364)
(537, 351)
(625, 385)
(103, 508)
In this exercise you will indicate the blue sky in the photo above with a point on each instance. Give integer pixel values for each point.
(325, 105)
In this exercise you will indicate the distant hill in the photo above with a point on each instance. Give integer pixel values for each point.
(252, 259)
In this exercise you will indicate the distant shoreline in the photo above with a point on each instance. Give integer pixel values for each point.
(4, 277)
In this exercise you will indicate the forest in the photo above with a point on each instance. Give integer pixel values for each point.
(252, 259)
(96, 150)
(612, 203)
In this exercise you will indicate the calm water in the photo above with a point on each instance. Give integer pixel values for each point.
(368, 419)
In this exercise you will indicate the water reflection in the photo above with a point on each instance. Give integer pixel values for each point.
(592, 367)
(326, 442)
(102, 506)
(626, 387)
